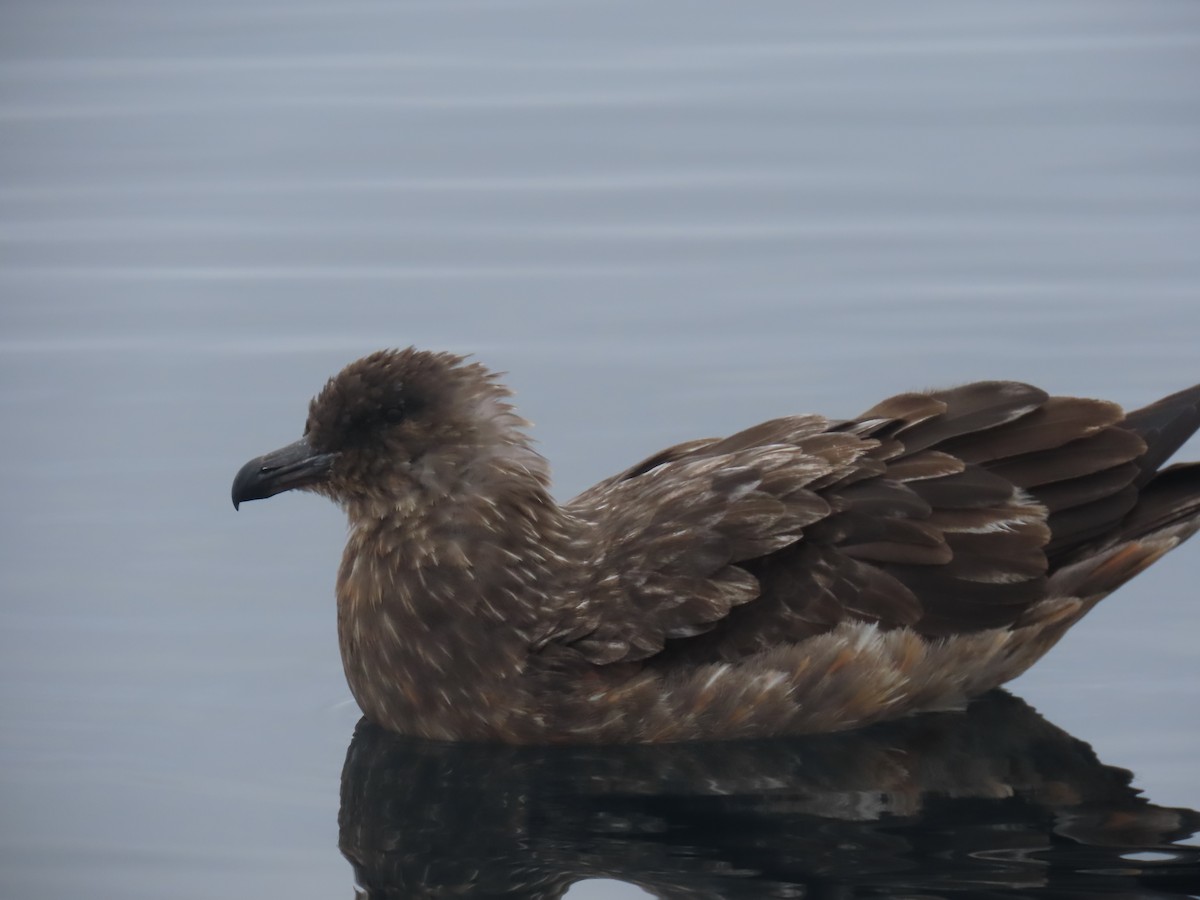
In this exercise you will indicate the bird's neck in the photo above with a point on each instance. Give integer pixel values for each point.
(440, 601)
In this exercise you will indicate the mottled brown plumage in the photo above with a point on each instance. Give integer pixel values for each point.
(802, 575)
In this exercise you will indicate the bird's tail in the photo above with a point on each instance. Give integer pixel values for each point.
(1165, 426)
(1167, 511)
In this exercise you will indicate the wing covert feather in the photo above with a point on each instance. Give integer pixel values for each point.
(933, 511)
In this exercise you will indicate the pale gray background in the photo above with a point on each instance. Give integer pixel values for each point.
(665, 219)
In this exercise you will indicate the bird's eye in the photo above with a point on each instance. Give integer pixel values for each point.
(369, 424)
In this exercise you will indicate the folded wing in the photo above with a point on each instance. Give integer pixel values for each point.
(946, 512)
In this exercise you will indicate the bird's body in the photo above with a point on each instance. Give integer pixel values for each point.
(804, 575)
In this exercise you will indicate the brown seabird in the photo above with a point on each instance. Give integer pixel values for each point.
(803, 575)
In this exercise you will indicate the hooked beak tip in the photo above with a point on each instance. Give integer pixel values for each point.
(295, 466)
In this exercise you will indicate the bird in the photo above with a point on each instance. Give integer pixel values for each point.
(804, 575)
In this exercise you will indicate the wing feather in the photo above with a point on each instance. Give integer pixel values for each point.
(944, 512)
(970, 409)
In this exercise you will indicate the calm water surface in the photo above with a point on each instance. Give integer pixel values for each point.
(666, 221)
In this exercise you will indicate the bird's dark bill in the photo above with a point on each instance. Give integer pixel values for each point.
(296, 465)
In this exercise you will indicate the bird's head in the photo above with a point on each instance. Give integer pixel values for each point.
(394, 429)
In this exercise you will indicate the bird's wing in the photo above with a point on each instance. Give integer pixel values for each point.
(939, 511)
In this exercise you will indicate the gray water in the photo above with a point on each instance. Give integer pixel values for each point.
(664, 220)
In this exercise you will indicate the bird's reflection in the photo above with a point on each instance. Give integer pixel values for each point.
(991, 802)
